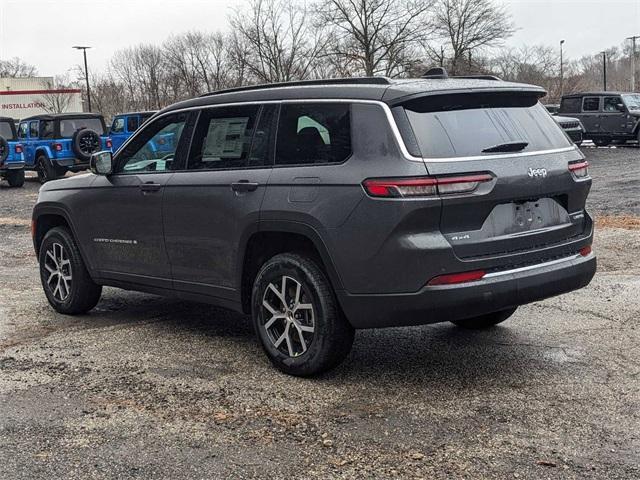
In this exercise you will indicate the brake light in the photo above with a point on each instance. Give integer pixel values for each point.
(18, 148)
(33, 228)
(585, 251)
(109, 143)
(455, 278)
(57, 147)
(580, 169)
(424, 186)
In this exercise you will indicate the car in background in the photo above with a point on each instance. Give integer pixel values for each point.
(56, 143)
(125, 124)
(11, 154)
(572, 127)
(607, 117)
(552, 108)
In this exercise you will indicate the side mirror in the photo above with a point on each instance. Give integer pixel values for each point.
(620, 107)
(101, 163)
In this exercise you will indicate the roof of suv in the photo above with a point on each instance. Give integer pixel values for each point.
(61, 116)
(390, 91)
(595, 94)
(6, 119)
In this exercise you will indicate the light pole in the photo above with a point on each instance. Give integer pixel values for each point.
(86, 73)
(604, 69)
(561, 71)
(633, 62)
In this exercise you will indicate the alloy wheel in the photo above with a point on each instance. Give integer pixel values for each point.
(58, 267)
(288, 316)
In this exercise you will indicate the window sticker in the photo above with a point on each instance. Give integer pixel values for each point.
(225, 138)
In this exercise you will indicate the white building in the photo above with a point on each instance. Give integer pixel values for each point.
(23, 97)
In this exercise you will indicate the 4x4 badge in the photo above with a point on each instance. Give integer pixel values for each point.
(537, 172)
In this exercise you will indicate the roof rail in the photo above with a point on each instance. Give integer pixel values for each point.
(480, 77)
(306, 83)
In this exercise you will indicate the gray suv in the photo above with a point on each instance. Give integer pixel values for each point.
(323, 207)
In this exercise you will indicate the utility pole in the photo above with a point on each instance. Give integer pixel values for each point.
(633, 61)
(604, 69)
(561, 71)
(86, 74)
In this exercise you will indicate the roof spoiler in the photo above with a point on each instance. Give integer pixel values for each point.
(441, 72)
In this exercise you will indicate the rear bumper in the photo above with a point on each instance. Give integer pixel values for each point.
(12, 165)
(71, 163)
(494, 292)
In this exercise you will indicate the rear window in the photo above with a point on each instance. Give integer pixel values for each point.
(451, 126)
(6, 131)
(69, 126)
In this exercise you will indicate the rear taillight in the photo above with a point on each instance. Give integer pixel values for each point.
(424, 186)
(18, 148)
(580, 169)
(57, 147)
(109, 143)
(585, 251)
(455, 278)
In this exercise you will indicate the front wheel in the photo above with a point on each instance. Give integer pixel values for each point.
(485, 321)
(15, 178)
(297, 317)
(65, 280)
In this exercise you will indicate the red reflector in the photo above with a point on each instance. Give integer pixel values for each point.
(577, 166)
(108, 143)
(457, 278)
(585, 251)
(18, 148)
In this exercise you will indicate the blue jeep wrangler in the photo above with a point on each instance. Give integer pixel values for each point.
(125, 124)
(56, 143)
(11, 154)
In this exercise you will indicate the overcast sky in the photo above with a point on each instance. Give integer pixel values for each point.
(42, 32)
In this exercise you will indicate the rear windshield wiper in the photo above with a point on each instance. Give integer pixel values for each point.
(507, 147)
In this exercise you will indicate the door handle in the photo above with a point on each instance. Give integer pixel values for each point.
(150, 187)
(244, 186)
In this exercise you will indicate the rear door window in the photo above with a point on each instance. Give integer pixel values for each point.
(310, 133)
(591, 104)
(33, 129)
(46, 129)
(453, 126)
(133, 122)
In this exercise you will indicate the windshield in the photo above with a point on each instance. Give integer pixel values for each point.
(6, 131)
(69, 126)
(632, 101)
(482, 124)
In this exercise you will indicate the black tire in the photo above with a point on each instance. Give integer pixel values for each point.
(4, 149)
(84, 143)
(485, 321)
(331, 337)
(15, 178)
(601, 142)
(76, 295)
(45, 169)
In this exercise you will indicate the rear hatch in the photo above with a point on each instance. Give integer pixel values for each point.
(532, 202)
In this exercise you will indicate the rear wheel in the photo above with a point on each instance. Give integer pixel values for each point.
(45, 169)
(297, 317)
(65, 280)
(601, 142)
(485, 321)
(15, 178)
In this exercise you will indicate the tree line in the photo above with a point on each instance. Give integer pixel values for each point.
(281, 40)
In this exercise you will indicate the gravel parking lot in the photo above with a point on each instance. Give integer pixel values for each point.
(148, 387)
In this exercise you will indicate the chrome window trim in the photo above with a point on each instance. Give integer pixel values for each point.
(391, 121)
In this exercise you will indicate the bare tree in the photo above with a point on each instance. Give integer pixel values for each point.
(373, 37)
(15, 67)
(59, 100)
(469, 27)
(276, 40)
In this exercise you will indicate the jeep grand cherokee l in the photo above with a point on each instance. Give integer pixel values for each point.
(327, 206)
